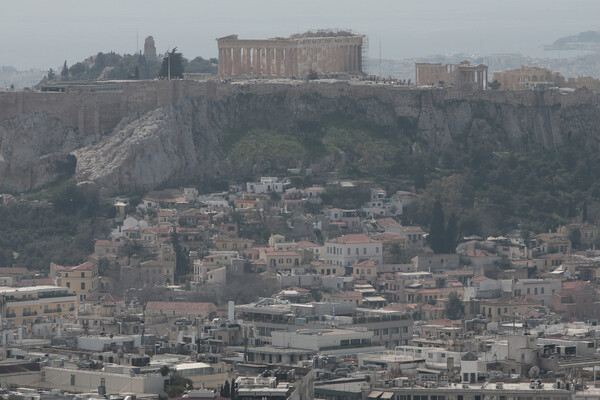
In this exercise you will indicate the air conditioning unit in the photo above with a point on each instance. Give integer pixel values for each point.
(500, 385)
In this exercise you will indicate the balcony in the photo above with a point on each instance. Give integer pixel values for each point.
(55, 310)
(29, 313)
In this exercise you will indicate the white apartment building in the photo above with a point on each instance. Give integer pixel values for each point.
(346, 250)
(267, 184)
(538, 289)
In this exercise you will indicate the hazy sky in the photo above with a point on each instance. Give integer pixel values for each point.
(42, 34)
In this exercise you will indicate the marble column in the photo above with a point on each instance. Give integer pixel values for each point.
(248, 66)
(227, 66)
(269, 61)
(255, 67)
(239, 65)
(278, 57)
(220, 66)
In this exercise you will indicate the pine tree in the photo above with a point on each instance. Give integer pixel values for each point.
(437, 232)
(51, 74)
(65, 71)
(172, 65)
(584, 214)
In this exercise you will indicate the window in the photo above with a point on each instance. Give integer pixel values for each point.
(72, 380)
(364, 250)
(535, 290)
(376, 249)
(528, 290)
(83, 274)
(542, 290)
(348, 251)
(357, 252)
(69, 285)
(82, 285)
(103, 382)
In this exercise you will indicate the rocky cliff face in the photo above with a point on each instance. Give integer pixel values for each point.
(141, 153)
(184, 142)
(34, 150)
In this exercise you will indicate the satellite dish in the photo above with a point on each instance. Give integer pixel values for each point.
(534, 372)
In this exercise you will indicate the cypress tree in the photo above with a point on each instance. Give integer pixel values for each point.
(65, 71)
(451, 234)
(437, 232)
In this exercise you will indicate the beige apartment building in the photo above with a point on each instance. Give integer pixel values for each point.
(23, 305)
(82, 279)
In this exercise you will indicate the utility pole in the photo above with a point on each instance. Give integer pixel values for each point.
(169, 65)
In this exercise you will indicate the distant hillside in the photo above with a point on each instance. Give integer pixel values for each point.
(129, 66)
(10, 76)
(589, 40)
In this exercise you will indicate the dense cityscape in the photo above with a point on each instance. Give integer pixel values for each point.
(280, 223)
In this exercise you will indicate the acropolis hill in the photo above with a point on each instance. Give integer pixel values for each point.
(132, 135)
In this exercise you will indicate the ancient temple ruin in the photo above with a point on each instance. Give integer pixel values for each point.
(457, 75)
(298, 55)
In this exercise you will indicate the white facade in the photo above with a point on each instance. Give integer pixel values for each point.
(75, 380)
(267, 184)
(538, 289)
(381, 205)
(319, 339)
(348, 249)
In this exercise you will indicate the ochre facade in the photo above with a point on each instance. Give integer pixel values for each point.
(296, 55)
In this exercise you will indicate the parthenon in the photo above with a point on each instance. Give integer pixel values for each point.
(320, 52)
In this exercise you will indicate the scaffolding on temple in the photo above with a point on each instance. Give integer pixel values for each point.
(365, 55)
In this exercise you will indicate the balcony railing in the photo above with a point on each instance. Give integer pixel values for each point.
(29, 313)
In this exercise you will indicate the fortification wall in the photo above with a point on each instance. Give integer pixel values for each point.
(96, 112)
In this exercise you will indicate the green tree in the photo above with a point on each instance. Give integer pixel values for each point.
(454, 308)
(225, 390)
(164, 370)
(451, 234)
(495, 85)
(437, 232)
(575, 238)
(51, 74)
(65, 71)
(584, 212)
(233, 394)
(181, 261)
(77, 69)
(172, 65)
(68, 198)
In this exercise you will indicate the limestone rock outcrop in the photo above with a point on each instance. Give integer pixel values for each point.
(141, 153)
(34, 150)
(180, 132)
